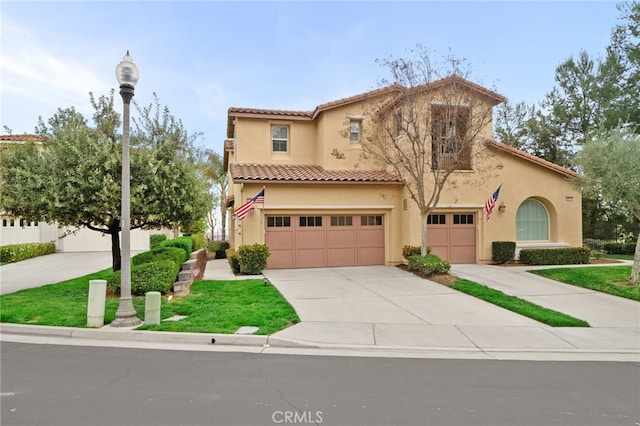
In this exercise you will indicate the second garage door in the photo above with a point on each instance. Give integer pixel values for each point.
(311, 241)
(452, 236)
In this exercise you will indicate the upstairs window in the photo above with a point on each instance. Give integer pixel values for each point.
(354, 131)
(279, 138)
(450, 146)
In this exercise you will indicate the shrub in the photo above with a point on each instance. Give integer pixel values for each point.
(429, 264)
(185, 243)
(232, 257)
(156, 239)
(220, 248)
(175, 254)
(555, 256)
(17, 252)
(198, 241)
(620, 248)
(408, 251)
(157, 276)
(503, 251)
(253, 258)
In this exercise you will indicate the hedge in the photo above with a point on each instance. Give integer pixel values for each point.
(252, 258)
(611, 247)
(555, 256)
(429, 264)
(503, 251)
(175, 254)
(18, 252)
(185, 243)
(156, 276)
(156, 239)
(232, 258)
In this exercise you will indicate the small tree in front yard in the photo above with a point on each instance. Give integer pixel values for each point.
(611, 163)
(429, 126)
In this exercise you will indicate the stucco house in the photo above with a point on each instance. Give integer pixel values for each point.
(327, 204)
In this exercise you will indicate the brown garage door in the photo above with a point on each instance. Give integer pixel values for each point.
(452, 236)
(310, 241)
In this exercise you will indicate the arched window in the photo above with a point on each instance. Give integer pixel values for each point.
(532, 221)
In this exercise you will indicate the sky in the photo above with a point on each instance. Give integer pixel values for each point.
(202, 57)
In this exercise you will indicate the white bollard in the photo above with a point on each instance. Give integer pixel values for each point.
(152, 308)
(96, 304)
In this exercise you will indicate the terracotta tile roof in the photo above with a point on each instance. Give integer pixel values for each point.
(21, 138)
(529, 157)
(306, 173)
(394, 88)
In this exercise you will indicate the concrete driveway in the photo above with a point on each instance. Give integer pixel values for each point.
(385, 306)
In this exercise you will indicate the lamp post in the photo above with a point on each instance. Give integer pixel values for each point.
(127, 74)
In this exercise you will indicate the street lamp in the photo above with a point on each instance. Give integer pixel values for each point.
(127, 74)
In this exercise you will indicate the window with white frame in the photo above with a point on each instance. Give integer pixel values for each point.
(532, 221)
(279, 138)
(354, 131)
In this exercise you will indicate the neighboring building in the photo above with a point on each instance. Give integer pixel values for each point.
(18, 231)
(325, 205)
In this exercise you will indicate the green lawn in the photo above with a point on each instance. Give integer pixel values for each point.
(517, 305)
(607, 279)
(212, 306)
(620, 256)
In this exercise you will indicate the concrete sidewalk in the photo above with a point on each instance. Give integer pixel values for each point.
(386, 307)
(373, 311)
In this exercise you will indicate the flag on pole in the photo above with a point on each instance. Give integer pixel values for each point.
(490, 204)
(243, 210)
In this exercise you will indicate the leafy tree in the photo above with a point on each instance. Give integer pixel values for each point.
(74, 177)
(610, 163)
(427, 126)
(213, 169)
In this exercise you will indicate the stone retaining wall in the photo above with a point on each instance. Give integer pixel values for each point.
(192, 270)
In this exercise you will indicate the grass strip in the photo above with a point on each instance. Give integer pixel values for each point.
(212, 306)
(606, 279)
(517, 305)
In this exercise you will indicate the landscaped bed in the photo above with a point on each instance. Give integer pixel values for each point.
(212, 306)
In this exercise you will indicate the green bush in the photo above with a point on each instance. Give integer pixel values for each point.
(219, 248)
(175, 254)
(234, 263)
(429, 264)
(620, 248)
(503, 251)
(156, 276)
(185, 243)
(253, 258)
(198, 241)
(555, 256)
(156, 239)
(408, 251)
(17, 252)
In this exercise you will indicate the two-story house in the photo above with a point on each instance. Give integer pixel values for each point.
(327, 204)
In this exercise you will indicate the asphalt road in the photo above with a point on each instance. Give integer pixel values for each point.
(90, 386)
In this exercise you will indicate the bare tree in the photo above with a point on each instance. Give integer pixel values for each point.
(429, 126)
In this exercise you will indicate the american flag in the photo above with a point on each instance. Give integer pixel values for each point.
(243, 210)
(490, 204)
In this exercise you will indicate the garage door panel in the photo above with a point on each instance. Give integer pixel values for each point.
(341, 238)
(318, 241)
(452, 236)
(310, 239)
(341, 256)
(310, 258)
(370, 256)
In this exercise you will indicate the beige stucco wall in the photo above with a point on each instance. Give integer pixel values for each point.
(316, 142)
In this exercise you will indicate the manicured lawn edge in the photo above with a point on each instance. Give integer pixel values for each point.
(212, 306)
(598, 278)
(517, 305)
